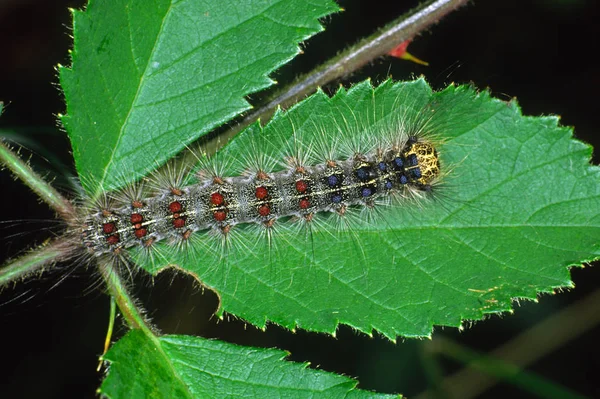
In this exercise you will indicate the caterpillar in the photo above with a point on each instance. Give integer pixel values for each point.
(299, 168)
(219, 203)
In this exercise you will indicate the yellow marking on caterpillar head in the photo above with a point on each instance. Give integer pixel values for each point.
(427, 160)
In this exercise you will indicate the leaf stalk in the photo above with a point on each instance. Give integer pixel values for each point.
(128, 305)
(35, 182)
(34, 261)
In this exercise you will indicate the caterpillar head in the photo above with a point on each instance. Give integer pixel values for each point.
(427, 161)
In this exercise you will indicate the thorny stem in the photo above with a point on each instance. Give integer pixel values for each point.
(35, 182)
(58, 250)
(117, 288)
(35, 260)
(380, 43)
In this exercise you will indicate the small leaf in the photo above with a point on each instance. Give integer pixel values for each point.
(148, 78)
(178, 366)
(520, 205)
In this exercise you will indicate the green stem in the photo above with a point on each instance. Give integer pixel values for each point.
(109, 331)
(58, 250)
(131, 311)
(47, 193)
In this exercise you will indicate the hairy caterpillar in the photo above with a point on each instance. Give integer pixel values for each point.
(220, 202)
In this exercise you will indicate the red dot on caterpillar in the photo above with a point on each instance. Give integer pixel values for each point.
(301, 186)
(176, 191)
(140, 233)
(304, 203)
(261, 193)
(136, 218)
(220, 216)
(179, 223)
(264, 210)
(137, 204)
(108, 228)
(217, 199)
(175, 206)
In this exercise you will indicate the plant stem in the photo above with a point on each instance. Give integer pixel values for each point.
(117, 288)
(380, 43)
(109, 332)
(34, 261)
(41, 187)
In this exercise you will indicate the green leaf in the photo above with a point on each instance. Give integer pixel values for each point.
(519, 206)
(148, 78)
(178, 366)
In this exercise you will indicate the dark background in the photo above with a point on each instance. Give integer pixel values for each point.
(52, 329)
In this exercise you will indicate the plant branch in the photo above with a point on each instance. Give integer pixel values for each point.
(58, 250)
(35, 182)
(380, 43)
(130, 309)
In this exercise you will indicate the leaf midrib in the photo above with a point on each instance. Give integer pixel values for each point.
(135, 99)
(158, 345)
